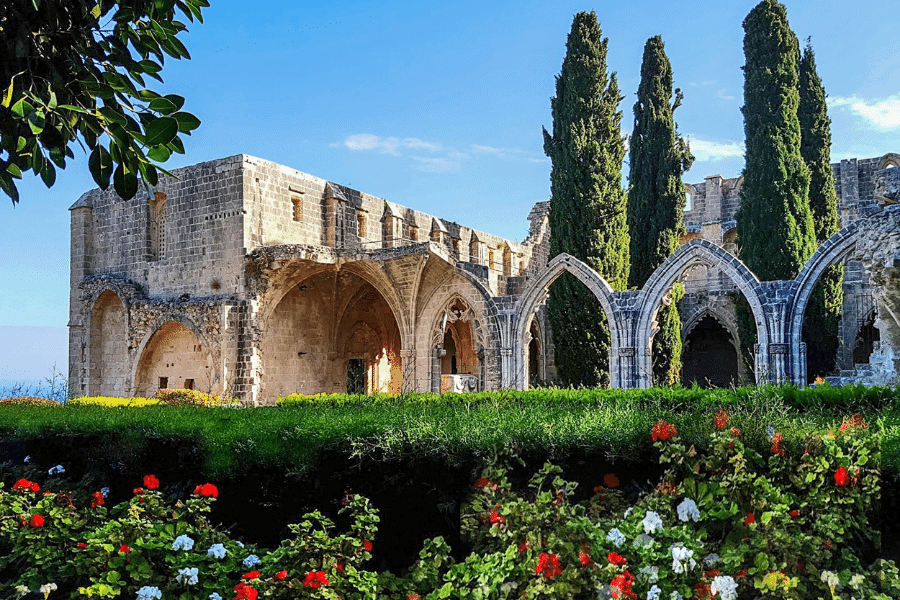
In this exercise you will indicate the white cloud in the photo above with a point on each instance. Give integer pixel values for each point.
(448, 158)
(387, 145)
(705, 150)
(882, 113)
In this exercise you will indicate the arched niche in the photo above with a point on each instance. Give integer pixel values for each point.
(174, 357)
(710, 357)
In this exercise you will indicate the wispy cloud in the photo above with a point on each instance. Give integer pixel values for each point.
(386, 145)
(706, 150)
(721, 94)
(881, 113)
(707, 82)
(445, 158)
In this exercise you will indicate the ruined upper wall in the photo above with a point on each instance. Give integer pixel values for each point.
(198, 252)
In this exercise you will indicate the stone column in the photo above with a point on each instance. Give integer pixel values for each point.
(408, 368)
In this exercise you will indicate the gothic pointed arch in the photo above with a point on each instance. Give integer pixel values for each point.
(661, 281)
(174, 354)
(108, 347)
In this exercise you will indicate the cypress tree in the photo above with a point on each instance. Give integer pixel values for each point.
(587, 202)
(774, 223)
(823, 314)
(658, 159)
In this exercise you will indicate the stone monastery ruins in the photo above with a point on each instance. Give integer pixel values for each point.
(246, 277)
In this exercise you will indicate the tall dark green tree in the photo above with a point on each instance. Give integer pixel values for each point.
(658, 159)
(823, 314)
(587, 203)
(774, 223)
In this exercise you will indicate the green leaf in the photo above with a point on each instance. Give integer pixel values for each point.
(9, 92)
(161, 131)
(37, 159)
(100, 165)
(159, 153)
(176, 146)
(113, 576)
(14, 170)
(766, 517)
(20, 145)
(148, 172)
(125, 181)
(761, 562)
(48, 174)
(36, 121)
(52, 103)
(186, 122)
(21, 108)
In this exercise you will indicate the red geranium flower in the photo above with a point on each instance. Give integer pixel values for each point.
(523, 546)
(125, 549)
(750, 519)
(713, 573)
(548, 564)
(703, 590)
(151, 482)
(206, 490)
(721, 419)
(24, 484)
(485, 482)
(841, 478)
(740, 574)
(138, 491)
(412, 596)
(367, 545)
(794, 514)
(250, 575)
(36, 521)
(610, 480)
(97, 499)
(245, 592)
(281, 575)
(496, 517)
(776, 444)
(584, 557)
(621, 585)
(663, 431)
(735, 432)
(82, 545)
(315, 578)
(616, 559)
(339, 567)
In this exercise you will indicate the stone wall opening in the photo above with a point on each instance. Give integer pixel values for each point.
(332, 332)
(460, 357)
(173, 355)
(709, 357)
(535, 361)
(867, 338)
(109, 352)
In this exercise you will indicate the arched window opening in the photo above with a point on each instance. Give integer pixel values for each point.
(709, 358)
(534, 357)
(158, 226)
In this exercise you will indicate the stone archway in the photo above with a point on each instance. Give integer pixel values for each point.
(108, 347)
(458, 339)
(173, 357)
(536, 294)
(833, 250)
(697, 251)
(325, 326)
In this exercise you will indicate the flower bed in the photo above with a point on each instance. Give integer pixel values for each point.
(726, 523)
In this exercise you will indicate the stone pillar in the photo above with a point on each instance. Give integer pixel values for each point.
(507, 374)
(79, 268)
(408, 368)
(436, 355)
(713, 211)
(335, 205)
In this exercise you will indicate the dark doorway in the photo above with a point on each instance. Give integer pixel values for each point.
(865, 340)
(356, 376)
(709, 357)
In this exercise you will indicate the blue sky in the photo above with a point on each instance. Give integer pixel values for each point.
(439, 106)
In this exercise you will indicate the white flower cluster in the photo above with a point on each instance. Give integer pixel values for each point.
(642, 540)
(57, 470)
(616, 537)
(187, 575)
(652, 523)
(653, 593)
(725, 585)
(682, 558)
(183, 542)
(675, 596)
(216, 551)
(711, 559)
(215, 596)
(688, 510)
(47, 588)
(651, 574)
